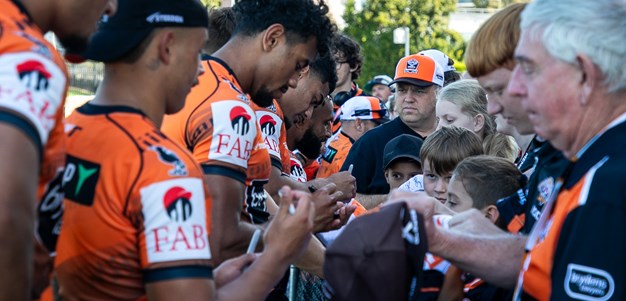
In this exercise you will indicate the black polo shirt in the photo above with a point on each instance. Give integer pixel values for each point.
(366, 155)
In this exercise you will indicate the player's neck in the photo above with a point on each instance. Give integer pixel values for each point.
(236, 53)
(115, 90)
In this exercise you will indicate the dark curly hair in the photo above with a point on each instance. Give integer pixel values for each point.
(324, 68)
(302, 19)
(348, 50)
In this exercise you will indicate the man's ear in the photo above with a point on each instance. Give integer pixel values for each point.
(492, 213)
(272, 37)
(590, 77)
(166, 43)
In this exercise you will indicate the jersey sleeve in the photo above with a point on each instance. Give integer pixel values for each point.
(174, 230)
(32, 89)
(227, 148)
(589, 259)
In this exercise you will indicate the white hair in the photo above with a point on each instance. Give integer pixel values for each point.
(596, 28)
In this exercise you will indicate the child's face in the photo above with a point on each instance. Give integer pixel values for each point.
(399, 172)
(458, 198)
(450, 114)
(435, 185)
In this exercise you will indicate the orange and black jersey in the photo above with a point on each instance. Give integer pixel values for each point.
(33, 80)
(136, 207)
(578, 252)
(221, 130)
(520, 211)
(336, 152)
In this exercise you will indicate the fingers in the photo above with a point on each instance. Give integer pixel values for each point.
(286, 200)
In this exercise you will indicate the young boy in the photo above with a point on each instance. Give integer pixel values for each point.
(479, 182)
(440, 154)
(401, 159)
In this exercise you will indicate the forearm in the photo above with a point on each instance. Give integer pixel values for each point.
(312, 259)
(496, 258)
(18, 182)
(229, 235)
(257, 281)
(370, 201)
(278, 180)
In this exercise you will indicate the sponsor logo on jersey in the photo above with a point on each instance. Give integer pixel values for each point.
(256, 201)
(297, 171)
(235, 131)
(171, 158)
(545, 188)
(240, 120)
(175, 222)
(411, 66)
(587, 283)
(80, 179)
(329, 154)
(177, 203)
(34, 75)
(268, 125)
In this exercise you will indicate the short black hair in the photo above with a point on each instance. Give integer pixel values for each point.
(349, 51)
(222, 23)
(302, 19)
(324, 67)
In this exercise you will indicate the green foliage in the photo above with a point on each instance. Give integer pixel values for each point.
(211, 3)
(373, 28)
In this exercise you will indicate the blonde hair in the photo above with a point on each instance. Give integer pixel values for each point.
(501, 145)
(471, 98)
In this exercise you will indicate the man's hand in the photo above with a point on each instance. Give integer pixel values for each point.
(345, 183)
(231, 269)
(289, 233)
(328, 210)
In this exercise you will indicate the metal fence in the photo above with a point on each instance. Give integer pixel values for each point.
(85, 77)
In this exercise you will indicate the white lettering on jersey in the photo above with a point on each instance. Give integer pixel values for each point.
(32, 86)
(587, 283)
(234, 132)
(175, 220)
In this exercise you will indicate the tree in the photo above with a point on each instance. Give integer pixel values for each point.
(211, 3)
(373, 28)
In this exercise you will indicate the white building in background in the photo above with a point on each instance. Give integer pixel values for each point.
(465, 20)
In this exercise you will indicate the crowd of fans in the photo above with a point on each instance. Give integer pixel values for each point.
(225, 145)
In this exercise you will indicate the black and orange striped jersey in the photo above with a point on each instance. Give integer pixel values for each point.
(220, 128)
(33, 80)
(576, 250)
(520, 211)
(336, 152)
(274, 132)
(136, 207)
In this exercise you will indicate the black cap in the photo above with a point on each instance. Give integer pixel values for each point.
(403, 146)
(135, 20)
